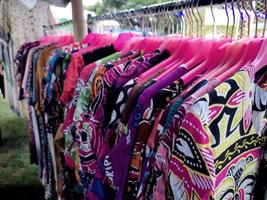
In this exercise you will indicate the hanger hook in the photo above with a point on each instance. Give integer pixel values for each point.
(242, 20)
(167, 18)
(181, 17)
(244, 8)
(146, 21)
(256, 16)
(150, 19)
(171, 15)
(265, 16)
(213, 17)
(157, 14)
(127, 16)
(201, 21)
(233, 11)
(227, 15)
(189, 17)
(194, 15)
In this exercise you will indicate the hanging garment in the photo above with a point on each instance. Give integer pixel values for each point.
(223, 114)
(75, 66)
(24, 24)
(2, 84)
(131, 70)
(131, 126)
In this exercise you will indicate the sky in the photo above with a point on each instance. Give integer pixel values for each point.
(90, 2)
(66, 13)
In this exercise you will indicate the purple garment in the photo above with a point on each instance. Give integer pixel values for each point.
(118, 168)
(135, 70)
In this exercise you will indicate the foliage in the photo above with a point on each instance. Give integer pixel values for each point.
(18, 178)
(114, 5)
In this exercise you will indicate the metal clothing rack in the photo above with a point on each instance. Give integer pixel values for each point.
(52, 27)
(168, 6)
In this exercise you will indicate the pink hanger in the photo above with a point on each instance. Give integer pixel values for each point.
(122, 39)
(191, 57)
(88, 39)
(142, 44)
(176, 42)
(251, 52)
(261, 59)
(231, 54)
(240, 55)
(101, 41)
(152, 44)
(209, 63)
(249, 55)
(132, 44)
(170, 43)
(202, 52)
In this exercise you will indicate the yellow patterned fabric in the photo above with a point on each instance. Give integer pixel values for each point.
(216, 152)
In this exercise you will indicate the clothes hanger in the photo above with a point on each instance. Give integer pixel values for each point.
(256, 18)
(205, 45)
(140, 46)
(99, 41)
(253, 45)
(201, 21)
(227, 16)
(209, 62)
(264, 24)
(195, 17)
(190, 19)
(248, 17)
(188, 55)
(169, 20)
(170, 62)
(220, 49)
(249, 52)
(152, 42)
(261, 60)
(89, 38)
(122, 39)
(248, 56)
(132, 44)
(233, 12)
(241, 17)
(232, 52)
(173, 44)
(213, 18)
(170, 15)
(187, 20)
(181, 18)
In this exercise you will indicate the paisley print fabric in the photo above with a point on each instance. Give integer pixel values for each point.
(127, 139)
(216, 152)
(157, 103)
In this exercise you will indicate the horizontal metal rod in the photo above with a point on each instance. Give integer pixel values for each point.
(57, 25)
(155, 8)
